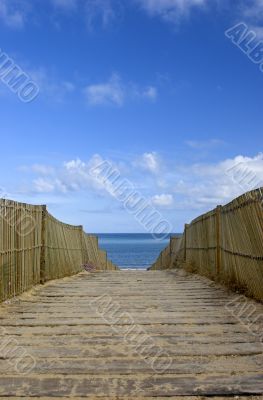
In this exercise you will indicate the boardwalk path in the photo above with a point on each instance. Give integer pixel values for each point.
(78, 354)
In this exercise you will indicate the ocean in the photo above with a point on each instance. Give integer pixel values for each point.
(132, 250)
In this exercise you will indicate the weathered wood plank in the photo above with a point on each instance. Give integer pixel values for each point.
(134, 365)
(123, 386)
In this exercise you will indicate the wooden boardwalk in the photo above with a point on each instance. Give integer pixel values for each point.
(97, 335)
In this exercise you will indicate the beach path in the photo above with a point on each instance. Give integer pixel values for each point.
(130, 334)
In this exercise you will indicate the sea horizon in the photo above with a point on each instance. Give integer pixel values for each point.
(133, 250)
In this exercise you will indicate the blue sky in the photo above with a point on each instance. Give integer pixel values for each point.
(153, 86)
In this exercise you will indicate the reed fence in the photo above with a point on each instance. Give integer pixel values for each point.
(225, 244)
(36, 247)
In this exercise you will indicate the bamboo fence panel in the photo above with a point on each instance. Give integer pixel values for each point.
(20, 247)
(242, 244)
(158, 263)
(95, 255)
(91, 245)
(63, 249)
(201, 244)
(111, 266)
(36, 247)
(172, 255)
(177, 246)
(103, 259)
(225, 244)
(95, 249)
(164, 259)
(166, 256)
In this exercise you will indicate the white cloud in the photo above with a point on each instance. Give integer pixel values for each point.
(149, 161)
(170, 10)
(76, 174)
(253, 10)
(72, 176)
(103, 12)
(252, 14)
(258, 31)
(50, 85)
(150, 93)
(109, 93)
(197, 187)
(74, 165)
(115, 92)
(43, 185)
(203, 186)
(42, 169)
(163, 200)
(13, 13)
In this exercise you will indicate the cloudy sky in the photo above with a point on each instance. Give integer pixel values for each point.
(153, 86)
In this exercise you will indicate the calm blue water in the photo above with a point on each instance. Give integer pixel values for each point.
(132, 250)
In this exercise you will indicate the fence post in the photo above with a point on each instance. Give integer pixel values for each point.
(43, 245)
(98, 257)
(82, 244)
(185, 242)
(170, 251)
(218, 240)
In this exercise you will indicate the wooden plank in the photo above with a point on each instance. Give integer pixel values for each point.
(135, 365)
(104, 385)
